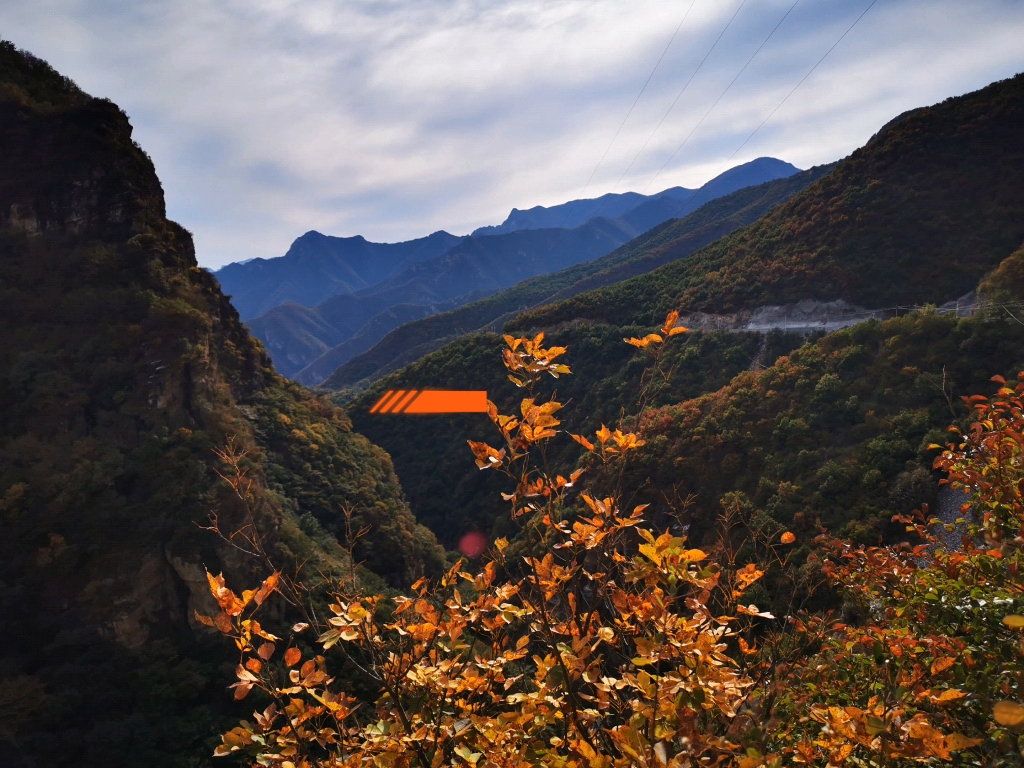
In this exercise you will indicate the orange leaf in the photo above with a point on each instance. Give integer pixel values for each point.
(582, 441)
(670, 320)
(223, 622)
(947, 696)
(241, 691)
(1008, 713)
(266, 651)
(292, 656)
(787, 538)
(941, 665)
(957, 741)
(268, 586)
(1014, 621)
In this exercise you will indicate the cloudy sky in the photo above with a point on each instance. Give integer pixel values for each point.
(395, 118)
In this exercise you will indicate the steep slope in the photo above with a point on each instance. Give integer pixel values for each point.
(943, 209)
(319, 266)
(917, 215)
(122, 368)
(662, 244)
(642, 212)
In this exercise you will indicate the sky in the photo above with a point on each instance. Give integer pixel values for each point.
(393, 119)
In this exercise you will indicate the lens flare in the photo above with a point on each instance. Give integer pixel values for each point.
(473, 544)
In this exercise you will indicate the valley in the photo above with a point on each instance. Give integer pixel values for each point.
(693, 527)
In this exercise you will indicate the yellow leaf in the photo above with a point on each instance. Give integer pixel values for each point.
(956, 741)
(1008, 713)
(947, 696)
(584, 749)
(840, 755)
(582, 441)
(652, 553)
(1014, 621)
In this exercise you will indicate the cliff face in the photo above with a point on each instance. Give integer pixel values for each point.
(122, 368)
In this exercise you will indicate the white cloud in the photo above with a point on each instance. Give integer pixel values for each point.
(395, 118)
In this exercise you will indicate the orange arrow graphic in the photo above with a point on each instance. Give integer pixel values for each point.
(432, 401)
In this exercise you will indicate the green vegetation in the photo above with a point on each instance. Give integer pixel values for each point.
(920, 214)
(836, 433)
(437, 471)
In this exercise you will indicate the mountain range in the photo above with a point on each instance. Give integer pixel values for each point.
(317, 267)
(641, 212)
(309, 342)
(667, 242)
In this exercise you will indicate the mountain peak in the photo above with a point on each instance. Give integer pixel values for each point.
(619, 205)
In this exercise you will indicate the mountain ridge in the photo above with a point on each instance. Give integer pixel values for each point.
(666, 242)
(471, 268)
(674, 202)
(332, 265)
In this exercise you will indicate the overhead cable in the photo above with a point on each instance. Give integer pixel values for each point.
(720, 96)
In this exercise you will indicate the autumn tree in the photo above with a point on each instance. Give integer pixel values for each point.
(935, 665)
(586, 642)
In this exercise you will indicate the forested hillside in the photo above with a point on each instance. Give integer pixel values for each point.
(123, 368)
(946, 187)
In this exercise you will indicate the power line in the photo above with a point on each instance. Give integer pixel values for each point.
(678, 96)
(635, 102)
(809, 72)
(763, 122)
(720, 97)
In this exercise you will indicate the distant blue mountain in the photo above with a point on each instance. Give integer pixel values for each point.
(318, 266)
(641, 212)
(349, 321)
